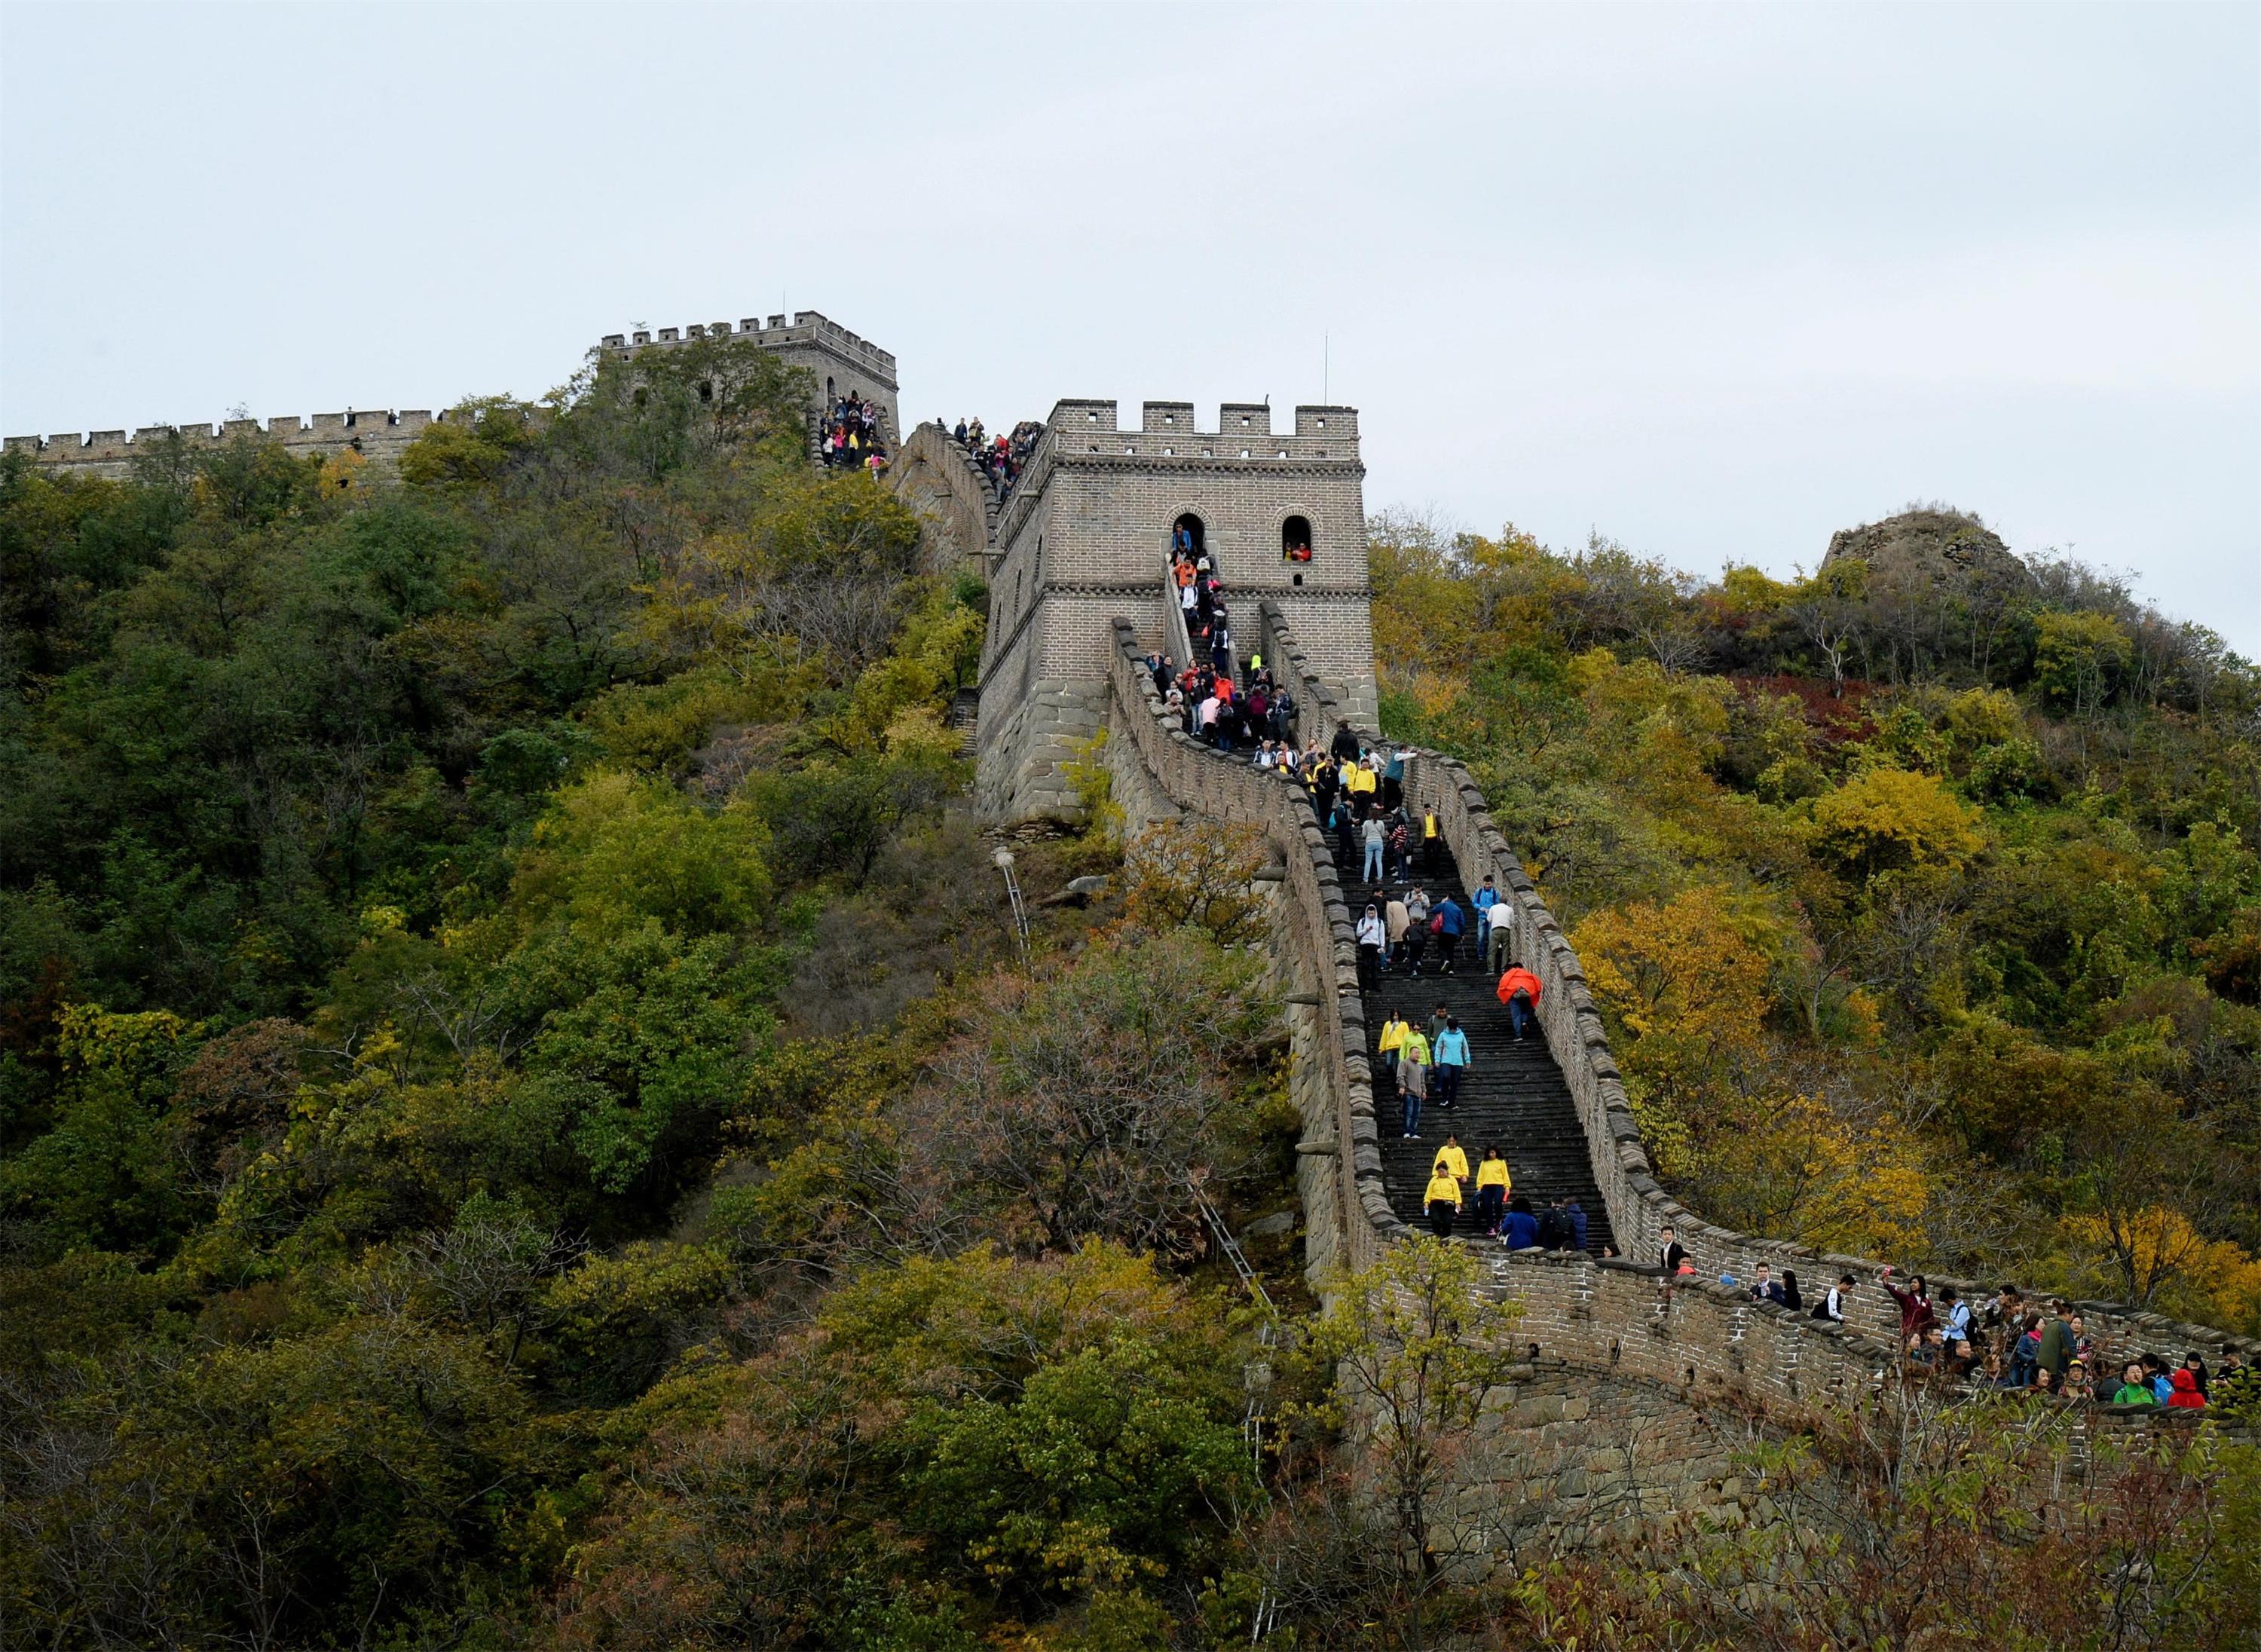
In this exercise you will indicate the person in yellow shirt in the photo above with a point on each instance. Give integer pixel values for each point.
(1443, 1200)
(1431, 837)
(1360, 779)
(1492, 1183)
(1455, 1158)
(1393, 1036)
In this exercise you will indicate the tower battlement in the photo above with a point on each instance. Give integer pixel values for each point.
(1085, 539)
(840, 362)
(775, 332)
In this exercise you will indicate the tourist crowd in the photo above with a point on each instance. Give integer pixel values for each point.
(853, 437)
(1357, 793)
(999, 458)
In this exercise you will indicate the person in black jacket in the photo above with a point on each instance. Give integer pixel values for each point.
(1576, 1214)
(1670, 1253)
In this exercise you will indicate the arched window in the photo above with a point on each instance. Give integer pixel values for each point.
(1187, 535)
(1296, 539)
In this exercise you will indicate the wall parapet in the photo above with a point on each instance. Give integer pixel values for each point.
(1319, 931)
(1637, 1205)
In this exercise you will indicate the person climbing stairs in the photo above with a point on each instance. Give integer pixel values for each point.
(1513, 1095)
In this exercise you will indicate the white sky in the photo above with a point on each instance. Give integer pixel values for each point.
(1714, 282)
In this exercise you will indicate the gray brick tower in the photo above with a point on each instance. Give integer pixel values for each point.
(1085, 538)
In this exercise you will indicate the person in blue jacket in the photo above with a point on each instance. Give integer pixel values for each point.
(1451, 923)
(1449, 1060)
(1520, 1231)
(1576, 1213)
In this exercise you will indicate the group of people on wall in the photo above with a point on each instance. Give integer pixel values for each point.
(854, 437)
(1001, 457)
(2005, 1342)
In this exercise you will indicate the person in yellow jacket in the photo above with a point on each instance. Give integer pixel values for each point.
(1492, 1183)
(1432, 837)
(1455, 1158)
(1443, 1199)
(1392, 1036)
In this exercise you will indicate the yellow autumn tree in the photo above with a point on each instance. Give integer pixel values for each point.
(1684, 985)
(2154, 1257)
(1893, 819)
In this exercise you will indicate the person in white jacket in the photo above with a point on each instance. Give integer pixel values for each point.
(1372, 936)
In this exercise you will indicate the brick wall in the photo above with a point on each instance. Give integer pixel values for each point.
(1639, 1206)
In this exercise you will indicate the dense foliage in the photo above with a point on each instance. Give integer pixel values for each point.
(524, 1122)
(1927, 912)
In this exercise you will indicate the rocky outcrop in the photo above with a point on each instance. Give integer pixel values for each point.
(1930, 547)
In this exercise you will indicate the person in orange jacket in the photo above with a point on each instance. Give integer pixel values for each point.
(1518, 990)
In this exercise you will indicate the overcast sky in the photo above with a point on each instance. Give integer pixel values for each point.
(1713, 283)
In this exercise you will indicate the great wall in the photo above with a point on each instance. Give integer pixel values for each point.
(1604, 1427)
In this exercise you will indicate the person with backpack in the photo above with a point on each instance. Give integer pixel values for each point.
(1955, 1316)
(1417, 931)
(1485, 898)
(1831, 1306)
(1549, 1236)
(1451, 1052)
(1518, 989)
(1447, 924)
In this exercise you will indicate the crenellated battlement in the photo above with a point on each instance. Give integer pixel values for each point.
(775, 332)
(378, 435)
(1243, 431)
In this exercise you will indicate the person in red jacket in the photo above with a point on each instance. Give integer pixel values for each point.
(1518, 990)
(2186, 1393)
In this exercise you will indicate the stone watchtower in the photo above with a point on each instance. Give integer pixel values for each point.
(839, 363)
(1085, 538)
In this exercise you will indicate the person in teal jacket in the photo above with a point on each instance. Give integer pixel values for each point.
(1451, 1057)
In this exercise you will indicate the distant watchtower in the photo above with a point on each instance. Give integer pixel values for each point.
(839, 363)
(1085, 535)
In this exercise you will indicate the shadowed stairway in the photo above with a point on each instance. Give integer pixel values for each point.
(1513, 1095)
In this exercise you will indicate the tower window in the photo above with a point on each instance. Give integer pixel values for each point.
(1295, 539)
(706, 390)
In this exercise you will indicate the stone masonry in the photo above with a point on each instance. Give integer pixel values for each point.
(839, 362)
(1084, 540)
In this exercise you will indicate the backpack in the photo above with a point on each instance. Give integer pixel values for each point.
(1436, 923)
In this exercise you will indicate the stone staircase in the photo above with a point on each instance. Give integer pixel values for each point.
(1513, 1095)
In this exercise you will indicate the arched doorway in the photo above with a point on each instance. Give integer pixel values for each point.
(1188, 534)
(1295, 539)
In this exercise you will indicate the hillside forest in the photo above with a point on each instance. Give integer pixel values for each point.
(525, 1123)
